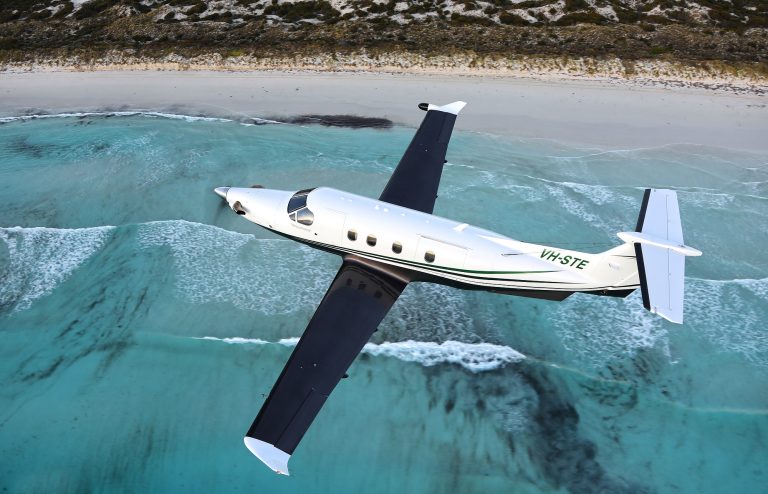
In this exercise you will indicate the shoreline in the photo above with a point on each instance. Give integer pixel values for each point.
(599, 113)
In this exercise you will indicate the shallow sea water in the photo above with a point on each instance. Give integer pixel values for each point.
(142, 325)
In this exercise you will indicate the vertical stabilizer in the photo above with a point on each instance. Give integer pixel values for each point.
(660, 253)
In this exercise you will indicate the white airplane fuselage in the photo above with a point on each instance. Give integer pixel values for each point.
(435, 249)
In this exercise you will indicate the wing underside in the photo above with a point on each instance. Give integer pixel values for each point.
(357, 301)
(416, 179)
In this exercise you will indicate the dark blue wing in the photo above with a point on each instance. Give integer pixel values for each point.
(416, 179)
(357, 301)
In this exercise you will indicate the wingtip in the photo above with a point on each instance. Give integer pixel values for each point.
(454, 107)
(271, 456)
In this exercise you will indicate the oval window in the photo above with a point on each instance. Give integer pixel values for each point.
(429, 256)
(371, 240)
(352, 235)
(397, 247)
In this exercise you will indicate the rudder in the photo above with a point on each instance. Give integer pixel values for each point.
(660, 253)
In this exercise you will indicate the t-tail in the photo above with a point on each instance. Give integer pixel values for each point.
(660, 253)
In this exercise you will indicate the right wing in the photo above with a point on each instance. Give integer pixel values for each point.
(415, 181)
(357, 301)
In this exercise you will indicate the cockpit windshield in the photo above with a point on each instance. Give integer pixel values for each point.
(299, 200)
(297, 208)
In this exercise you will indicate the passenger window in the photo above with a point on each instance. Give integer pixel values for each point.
(429, 256)
(305, 216)
(397, 247)
(371, 240)
(352, 235)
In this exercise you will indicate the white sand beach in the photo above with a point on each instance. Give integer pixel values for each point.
(590, 112)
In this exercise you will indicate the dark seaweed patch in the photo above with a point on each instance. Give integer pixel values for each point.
(43, 374)
(567, 459)
(69, 328)
(348, 121)
(21, 145)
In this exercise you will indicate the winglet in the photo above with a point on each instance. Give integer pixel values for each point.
(454, 107)
(274, 458)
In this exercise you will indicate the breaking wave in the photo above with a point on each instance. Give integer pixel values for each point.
(215, 265)
(139, 113)
(476, 357)
(731, 315)
(616, 327)
(42, 258)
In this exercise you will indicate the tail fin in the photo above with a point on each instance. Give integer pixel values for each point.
(660, 253)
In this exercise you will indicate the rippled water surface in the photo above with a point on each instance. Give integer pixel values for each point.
(142, 325)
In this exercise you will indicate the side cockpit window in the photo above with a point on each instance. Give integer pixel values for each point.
(298, 210)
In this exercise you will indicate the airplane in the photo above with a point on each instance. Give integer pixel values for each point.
(389, 242)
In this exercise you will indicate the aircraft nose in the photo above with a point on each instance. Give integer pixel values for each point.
(222, 192)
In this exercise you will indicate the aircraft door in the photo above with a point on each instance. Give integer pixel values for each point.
(330, 229)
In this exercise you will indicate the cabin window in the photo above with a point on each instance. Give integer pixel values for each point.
(397, 247)
(352, 235)
(429, 256)
(371, 240)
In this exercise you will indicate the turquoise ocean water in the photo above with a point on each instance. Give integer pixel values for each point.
(141, 325)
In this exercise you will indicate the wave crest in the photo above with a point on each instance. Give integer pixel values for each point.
(42, 258)
(476, 357)
(139, 113)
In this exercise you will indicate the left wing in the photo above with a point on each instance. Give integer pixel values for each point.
(357, 301)
(415, 181)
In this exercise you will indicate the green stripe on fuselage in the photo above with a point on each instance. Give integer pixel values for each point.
(434, 267)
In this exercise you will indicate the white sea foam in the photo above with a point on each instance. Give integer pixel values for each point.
(598, 194)
(708, 200)
(42, 258)
(215, 265)
(236, 340)
(731, 315)
(593, 195)
(476, 357)
(448, 315)
(576, 208)
(140, 113)
(598, 329)
(496, 181)
(158, 161)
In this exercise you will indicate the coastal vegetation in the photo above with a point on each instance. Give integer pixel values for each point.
(698, 32)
